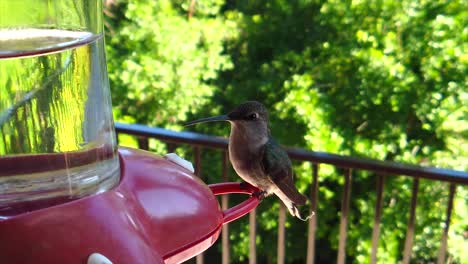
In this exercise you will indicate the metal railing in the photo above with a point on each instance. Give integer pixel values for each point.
(381, 168)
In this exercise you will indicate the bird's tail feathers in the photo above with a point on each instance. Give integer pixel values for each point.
(292, 206)
(290, 191)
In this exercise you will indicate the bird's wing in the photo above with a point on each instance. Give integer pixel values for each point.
(277, 165)
(276, 162)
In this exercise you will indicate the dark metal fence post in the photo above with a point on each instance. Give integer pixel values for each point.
(344, 218)
(313, 220)
(412, 219)
(378, 213)
(448, 215)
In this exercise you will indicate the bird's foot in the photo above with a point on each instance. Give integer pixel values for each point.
(260, 194)
(247, 186)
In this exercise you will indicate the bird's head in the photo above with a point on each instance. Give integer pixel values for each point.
(250, 116)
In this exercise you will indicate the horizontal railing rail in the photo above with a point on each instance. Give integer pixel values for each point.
(385, 167)
(381, 168)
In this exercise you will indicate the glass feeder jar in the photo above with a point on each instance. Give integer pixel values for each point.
(57, 138)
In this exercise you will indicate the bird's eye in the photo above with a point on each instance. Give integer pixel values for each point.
(253, 116)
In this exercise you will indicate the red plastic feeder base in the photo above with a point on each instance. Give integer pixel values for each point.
(159, 213)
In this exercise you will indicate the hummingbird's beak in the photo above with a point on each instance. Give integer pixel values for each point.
(208, 119)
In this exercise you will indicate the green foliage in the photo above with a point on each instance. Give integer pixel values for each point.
(161, 60)
(379, 79)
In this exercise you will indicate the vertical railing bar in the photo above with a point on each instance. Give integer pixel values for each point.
(443, 243)
(252, 237)
(143, 142)
(281, 233)
(200, 258)
(224, 205)
(344, 218)
(377, 217)
(197, 154)
(410, 228)
(198, 172)
(313, 220)
(171, 147)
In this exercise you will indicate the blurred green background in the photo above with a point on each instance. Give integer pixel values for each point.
(379, 79)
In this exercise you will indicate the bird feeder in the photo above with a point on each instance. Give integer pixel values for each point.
(68, 193)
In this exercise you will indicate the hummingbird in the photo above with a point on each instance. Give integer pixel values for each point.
(256, 156)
